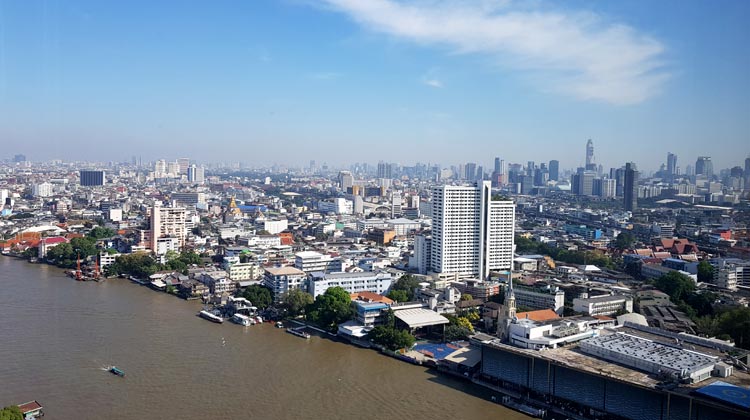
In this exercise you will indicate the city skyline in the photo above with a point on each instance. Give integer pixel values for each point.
(326, 79)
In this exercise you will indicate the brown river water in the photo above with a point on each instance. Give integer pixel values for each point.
(57, 335)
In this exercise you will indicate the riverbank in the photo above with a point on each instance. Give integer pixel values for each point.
(68, 330)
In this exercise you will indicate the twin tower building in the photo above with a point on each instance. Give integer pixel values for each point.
(472, 232)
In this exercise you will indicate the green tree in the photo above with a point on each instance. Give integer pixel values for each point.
(296, 301)
(456, 333)
(99, 232)
(331, 308)
(190, 257)
(399, 295)
(707, 325)
(261, 297)
(11, 413)
(84, 247)
(736, 323)
(391, 338)
(31, 252)
(408, 284)
(466, 296)
(705, 272)
(677, 285)
(625, 240)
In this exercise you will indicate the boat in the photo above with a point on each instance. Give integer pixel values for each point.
(279, 324)
(116, 371)
(258, 319)
(298, 332)
(31, 410)
(211, 316)
(243, 320)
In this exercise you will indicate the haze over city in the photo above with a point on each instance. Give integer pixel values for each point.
(341, 81)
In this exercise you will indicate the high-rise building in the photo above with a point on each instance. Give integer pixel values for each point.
(554, 170)
(590, 161)
(471, 233)
(167, 222)
(19, 158)
(747, 174)
(346, 180)
(585, 182)
(385, 170)
(92, 178)
(703, 166)
(470, 171)
(40, 190)
(196, 174)
(630, 187)
(498, 166)
(183, 164)
(671, 166)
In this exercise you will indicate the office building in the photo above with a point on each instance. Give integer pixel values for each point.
(554, 170)
(704, 166)
(196, 174)
(283, 279)
(366, 281)
(583, 182)
(167, 222)
(630, 187)
(311, 261)
(183, 164)
(346, 180)
(471, 233)
(92, 178)
(671, 166)
(603, 305)
(590, 160)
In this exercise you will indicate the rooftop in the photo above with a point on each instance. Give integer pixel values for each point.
(418, 317)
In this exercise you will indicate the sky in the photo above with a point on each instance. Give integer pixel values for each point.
(344, 81)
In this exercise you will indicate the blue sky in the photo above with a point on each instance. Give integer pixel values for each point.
(343, 81)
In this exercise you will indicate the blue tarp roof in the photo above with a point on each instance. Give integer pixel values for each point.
(727, 392)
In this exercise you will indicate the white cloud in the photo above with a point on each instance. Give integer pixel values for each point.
(575, 53)
(433, 83)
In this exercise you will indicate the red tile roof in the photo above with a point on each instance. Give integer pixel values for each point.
(539, 316)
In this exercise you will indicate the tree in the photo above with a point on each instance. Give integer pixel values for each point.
(31, 252)
(466, 296)
(331, 308)
(736, 323)
(625, 240)
(705, 272)
(391, 338)
(296, 301)
(259, 296)
(676, 285)
(99, 232)
(456, 333)
(11, 413)
(398, 295)
(408, 284)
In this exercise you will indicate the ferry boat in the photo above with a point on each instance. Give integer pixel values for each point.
(243, 320)
(298, 332)
(116, 371)
(211, 317)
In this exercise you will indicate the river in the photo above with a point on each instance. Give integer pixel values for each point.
(57, 335)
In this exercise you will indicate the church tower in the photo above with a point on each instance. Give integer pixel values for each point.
(506, 317)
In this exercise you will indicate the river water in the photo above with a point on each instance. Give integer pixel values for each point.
(57, 335)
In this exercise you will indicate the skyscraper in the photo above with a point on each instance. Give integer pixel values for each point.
(471, 233)
(183, 164)
(554, 170)
(585, 179)
(704, 166)
(671, 166)
(747, 174)
(630, 190)
(590, 161)
(384, 170)
(498, 166)
(470, 171)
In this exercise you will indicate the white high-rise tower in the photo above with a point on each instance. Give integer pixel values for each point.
(471, 233)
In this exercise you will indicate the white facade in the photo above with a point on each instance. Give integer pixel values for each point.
(167, 221)
(164, 245)
(283, 279)
(540, 299)
(471, 234)
(603, 305)
(337, 205)
(351, 282)
(311, 261)
(275, 226)
(41, 190)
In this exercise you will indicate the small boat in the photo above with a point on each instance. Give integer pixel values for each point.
(243, 320)
(258, 319)
(298, 332)
(279, 324)
(116, 371)
(211, 316)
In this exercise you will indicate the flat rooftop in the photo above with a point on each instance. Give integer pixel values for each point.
(626, 345)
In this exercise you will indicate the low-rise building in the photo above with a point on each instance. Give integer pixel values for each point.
(368, 281)
(549, 298)
(283, 279)
(603, 305)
